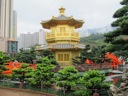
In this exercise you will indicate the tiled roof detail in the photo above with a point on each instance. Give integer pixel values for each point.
(62, 17)
(81, 46)
(63, 46)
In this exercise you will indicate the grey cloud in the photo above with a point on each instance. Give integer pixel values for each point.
(96, 13)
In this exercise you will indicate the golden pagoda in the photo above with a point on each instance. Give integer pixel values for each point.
(62, 39)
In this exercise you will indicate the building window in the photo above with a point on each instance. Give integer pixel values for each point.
(66, 57)
(63, 57)
(60, 57)
(62, 29)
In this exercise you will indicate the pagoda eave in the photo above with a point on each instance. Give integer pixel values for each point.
(72, 22)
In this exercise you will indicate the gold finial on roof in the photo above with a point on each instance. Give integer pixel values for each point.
(53, 17)
(62, 10)
(71, 17)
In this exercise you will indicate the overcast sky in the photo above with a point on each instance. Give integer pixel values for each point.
(95, 13)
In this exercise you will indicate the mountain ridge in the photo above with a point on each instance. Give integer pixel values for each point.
(102, 30)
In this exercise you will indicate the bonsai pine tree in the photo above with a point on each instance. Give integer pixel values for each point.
(92, 80)
(3, 59)
(67, 78)
(85, 54)
(43, 76)
(99, 55)
(26, 56)
(49, 54)
(95, 54)
(118, 39)
(22, 73)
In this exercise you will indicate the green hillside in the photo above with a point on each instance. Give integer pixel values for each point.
(93, 39)
(96, 39)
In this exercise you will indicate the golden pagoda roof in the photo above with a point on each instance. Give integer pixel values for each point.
(61, 20)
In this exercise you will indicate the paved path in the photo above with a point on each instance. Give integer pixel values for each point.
(20, 92)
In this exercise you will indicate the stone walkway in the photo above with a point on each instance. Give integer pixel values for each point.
(20, 92)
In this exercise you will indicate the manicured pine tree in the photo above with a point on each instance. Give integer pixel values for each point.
(94, 54)
(26, 56)
(67, 78)
(85, 54)
(43, 76)
(92, 80)
(22, 74)
(49, 54)
(116, 40)
(3, 59)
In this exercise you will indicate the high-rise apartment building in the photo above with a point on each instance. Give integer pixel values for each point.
(28, 40)
(6, 19)
(14, 31)
(8, 24)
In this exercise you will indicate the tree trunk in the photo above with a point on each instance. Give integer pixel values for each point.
(68, 89)
(64, 90)
(96, 94)
(3, 81)
(21, 84)
(41, 85)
